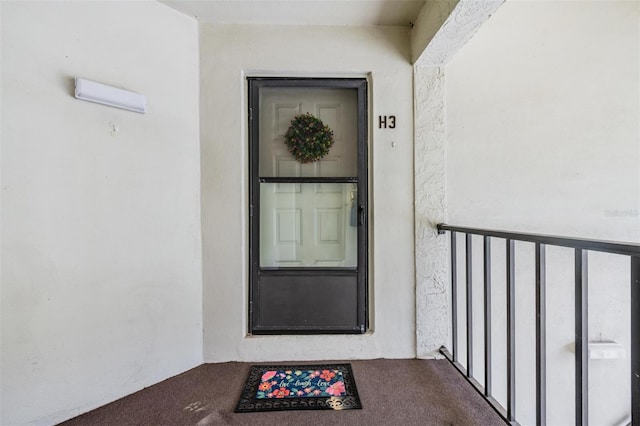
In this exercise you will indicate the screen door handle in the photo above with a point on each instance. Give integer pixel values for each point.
(361, 215)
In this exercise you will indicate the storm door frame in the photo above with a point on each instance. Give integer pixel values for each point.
(362, 182)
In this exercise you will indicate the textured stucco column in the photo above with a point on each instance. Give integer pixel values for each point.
(432, 301)
(447, 25)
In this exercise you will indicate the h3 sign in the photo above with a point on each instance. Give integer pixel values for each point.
(386, 122)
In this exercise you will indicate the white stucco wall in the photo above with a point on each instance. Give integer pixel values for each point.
(543, 136)
(228, 55)
(553, 105)
(101, 254)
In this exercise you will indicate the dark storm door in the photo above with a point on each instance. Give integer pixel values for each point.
(308, 221)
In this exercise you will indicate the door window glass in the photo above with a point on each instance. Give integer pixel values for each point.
(308, 225)
(336, 108)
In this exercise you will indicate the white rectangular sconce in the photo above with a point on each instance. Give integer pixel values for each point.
(93, 91)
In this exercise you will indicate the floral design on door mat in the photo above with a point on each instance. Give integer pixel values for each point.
(305, 387)
(292, 383)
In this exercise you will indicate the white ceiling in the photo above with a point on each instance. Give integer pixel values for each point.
(301, 12)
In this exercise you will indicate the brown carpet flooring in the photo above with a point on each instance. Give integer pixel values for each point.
(392, 392)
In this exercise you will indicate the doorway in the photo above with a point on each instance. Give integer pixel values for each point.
(308, 218)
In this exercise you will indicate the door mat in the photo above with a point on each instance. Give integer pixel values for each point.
(299, 387)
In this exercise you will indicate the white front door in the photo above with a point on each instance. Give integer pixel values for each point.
(308, 224)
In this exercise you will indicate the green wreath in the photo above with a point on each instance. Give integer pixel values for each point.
(308, 138)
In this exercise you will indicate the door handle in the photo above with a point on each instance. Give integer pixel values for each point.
(361, 215)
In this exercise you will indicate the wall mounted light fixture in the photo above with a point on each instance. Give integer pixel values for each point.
(93, 91)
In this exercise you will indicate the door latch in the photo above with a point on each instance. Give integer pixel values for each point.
(362, 215)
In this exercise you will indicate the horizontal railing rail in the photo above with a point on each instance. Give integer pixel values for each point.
(581, 249)
(614, 247)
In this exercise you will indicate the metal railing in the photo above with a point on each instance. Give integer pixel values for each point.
(581, 248)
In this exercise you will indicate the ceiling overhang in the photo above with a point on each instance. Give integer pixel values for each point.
(302, 12)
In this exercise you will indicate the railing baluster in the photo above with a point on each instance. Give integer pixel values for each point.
(541, 333)
(582, 338)
(454, 297)
(469, 272)
(511, 332)
(635, 340)
(487, 316)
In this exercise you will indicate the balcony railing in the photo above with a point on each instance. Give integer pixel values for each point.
(581, 249)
